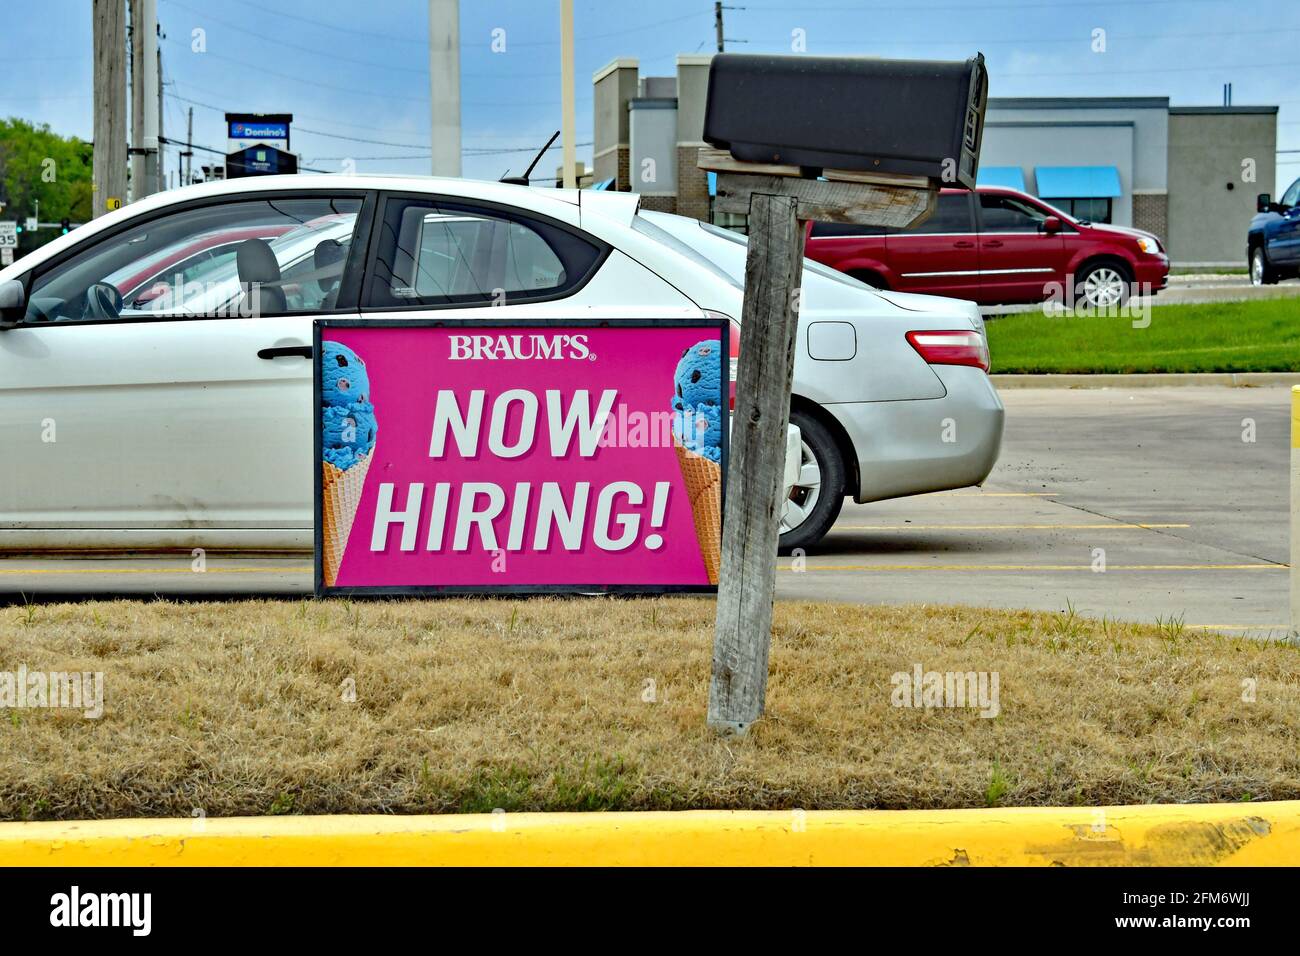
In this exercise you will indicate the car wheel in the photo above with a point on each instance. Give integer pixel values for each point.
(818, 494)
(1260, 271)
(1102, 285)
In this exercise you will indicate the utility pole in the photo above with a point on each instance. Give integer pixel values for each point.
(189, 147)
(137, 98)
(717, 25)
(568, 123)
(159, 139)
(109, 162)
(147, 37)
(444, 85)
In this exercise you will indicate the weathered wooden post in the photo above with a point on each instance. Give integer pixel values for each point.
(800, 147)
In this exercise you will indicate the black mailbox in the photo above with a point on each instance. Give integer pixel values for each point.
(913, 117)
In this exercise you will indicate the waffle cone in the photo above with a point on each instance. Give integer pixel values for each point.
(703, 478)
(340, 495)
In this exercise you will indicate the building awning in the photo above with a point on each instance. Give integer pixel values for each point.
(1012, 177)
(1077, 182)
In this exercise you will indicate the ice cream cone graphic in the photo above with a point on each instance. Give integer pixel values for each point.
(340, 495)
(697, 440)
(704, 488)
(348, 430)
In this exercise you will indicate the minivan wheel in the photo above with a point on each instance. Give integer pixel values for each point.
(818, 494)
(1260, 272)
(1102, 285)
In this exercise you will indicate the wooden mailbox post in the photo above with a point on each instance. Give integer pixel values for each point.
(780, 199)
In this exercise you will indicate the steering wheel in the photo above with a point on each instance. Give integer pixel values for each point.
(103, 301)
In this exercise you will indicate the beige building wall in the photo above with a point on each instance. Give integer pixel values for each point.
(613, 86)
(1210, 203)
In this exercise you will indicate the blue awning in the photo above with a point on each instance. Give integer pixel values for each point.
(1012, 177)
(1077, 182)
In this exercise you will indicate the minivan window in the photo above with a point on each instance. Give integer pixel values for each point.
(951, 214)
(1008, 214)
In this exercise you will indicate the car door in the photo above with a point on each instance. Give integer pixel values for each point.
(1017, 257)
(939, 256)
(185, 417)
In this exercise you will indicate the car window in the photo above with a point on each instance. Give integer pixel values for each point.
(265, 256)
(1008, 214)
(951, 215)
(1292, 196)
(432, 253)
(822, 230)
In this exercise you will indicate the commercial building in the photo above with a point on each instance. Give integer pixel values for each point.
(1189, 174)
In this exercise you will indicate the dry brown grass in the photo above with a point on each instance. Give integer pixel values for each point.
(468, 705)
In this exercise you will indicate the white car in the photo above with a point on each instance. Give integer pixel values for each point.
(182, 418)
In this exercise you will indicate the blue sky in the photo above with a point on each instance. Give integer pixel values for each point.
(357, 70)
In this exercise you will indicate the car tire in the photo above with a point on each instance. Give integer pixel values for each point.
(1261, 273)
(1105, 284)
(814, 503)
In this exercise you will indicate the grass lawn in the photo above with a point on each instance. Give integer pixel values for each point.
(1259, 336)
(547, 704)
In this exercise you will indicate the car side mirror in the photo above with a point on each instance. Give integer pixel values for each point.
(13, 303)
(1052, 225)
(1263, 202)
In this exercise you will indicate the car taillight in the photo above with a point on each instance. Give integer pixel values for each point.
(958, 347)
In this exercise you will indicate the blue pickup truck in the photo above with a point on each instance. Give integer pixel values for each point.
(1273, 241)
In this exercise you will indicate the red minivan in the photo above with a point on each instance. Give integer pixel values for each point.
(997, 245)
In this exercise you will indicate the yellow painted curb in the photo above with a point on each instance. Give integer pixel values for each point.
(1262, 834)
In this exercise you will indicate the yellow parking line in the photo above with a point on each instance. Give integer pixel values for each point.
(1037, 567)
(1106, 526)
(154, 571)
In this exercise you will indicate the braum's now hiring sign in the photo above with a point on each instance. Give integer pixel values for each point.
(519, 456)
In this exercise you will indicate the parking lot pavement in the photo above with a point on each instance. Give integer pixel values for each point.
(1190, 520)
(1156, 485)
(1191, 289)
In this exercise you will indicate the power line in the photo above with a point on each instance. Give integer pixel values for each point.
(467, 152)
(354, 91)
(372, 142)
(923, 8)
(393, 37)
(1079, 38)
(222, 152)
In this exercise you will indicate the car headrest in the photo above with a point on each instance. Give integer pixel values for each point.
(328, 252)
(256, 262)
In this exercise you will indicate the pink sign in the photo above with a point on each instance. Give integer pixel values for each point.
(525, 456)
